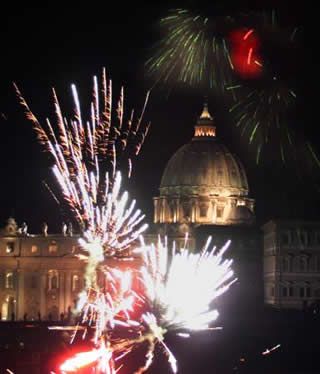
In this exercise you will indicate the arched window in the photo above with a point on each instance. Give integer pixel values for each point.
(75, 282)
(34, 249)
(9, 280)
(53, 247)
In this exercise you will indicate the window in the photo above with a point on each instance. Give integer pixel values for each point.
(219, 212)
(285, 238)
(9, 280)
(290, 291)
(301, 292)
(308, 291)
(284, 291)
(75, 283)
(203, 210)
(317, 260)
(272, 291)
(10, 247)
(34, 249)
(53, 247)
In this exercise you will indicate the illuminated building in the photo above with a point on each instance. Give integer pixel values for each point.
(204, 183)
(39, 275)
(291, 263)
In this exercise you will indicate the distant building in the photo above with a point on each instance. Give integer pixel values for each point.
(40, 275)
(291, 263)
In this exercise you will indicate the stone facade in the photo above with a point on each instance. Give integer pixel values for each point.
(40, 275)
(291, 263)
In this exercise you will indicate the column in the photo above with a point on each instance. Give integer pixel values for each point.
(156, 210)
(43, 286)
(62, 308)
(67, 291)
(20, 295)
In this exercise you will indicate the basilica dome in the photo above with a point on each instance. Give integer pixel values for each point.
(203, 182)
(204, 167)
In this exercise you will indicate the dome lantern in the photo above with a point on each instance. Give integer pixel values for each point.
(204, 127)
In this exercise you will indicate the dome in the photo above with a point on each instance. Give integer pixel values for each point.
(203, 167)
(204, 183)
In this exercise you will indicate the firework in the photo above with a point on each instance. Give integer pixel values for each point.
(265, 94)
(97, 143)
(166, 277)
(261, 116)
(85, 162)
(194, 50)
(86, 156)
(103, 355)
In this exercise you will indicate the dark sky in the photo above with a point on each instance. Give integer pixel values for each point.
(56, 45)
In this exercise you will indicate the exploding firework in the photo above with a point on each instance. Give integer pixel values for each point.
(265, 93)
(166, 277)
(85, 166)
(194, 50)
(261, 116)
(85, 162)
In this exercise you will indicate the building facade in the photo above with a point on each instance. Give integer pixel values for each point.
(291, 263)
(40, 276)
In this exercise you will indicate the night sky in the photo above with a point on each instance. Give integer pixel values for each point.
(56, 46)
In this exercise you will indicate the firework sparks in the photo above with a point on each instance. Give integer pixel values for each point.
(261, 116)
(85, 156)
(95, 144)
(206, 276)
(108, 306)
(102, 356)
(193, 51)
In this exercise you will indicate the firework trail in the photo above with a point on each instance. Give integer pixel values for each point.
(194, 50)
